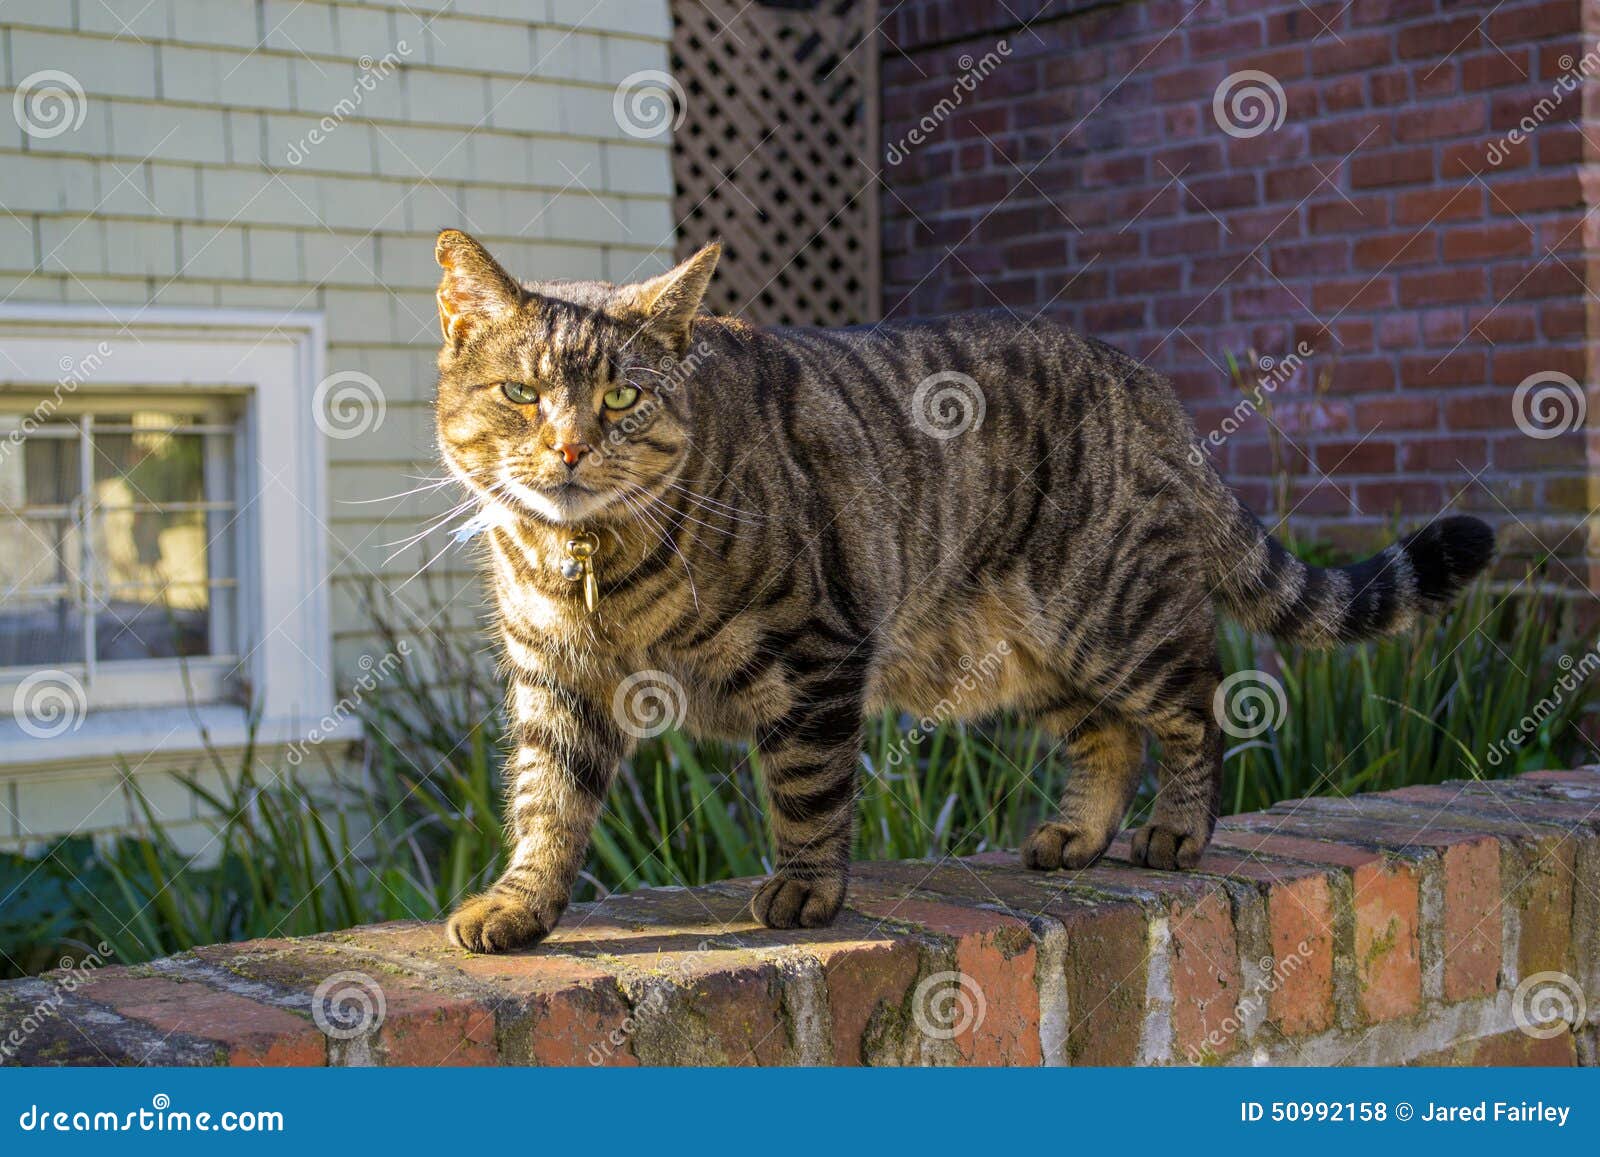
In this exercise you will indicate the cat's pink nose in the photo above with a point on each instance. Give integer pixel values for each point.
(571, 451)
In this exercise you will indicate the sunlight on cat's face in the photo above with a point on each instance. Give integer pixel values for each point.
(563, 400)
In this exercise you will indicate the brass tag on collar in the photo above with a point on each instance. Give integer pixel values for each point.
(581, 549)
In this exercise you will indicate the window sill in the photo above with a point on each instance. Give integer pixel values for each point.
(145, 738)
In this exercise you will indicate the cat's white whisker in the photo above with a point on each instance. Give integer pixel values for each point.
(666, 537)
(430, 486)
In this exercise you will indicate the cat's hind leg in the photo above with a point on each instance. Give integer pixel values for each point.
(1105, 754)
(1190, 784)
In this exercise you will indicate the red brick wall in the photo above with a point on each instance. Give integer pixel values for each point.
(1087, 177)
(1449, 925)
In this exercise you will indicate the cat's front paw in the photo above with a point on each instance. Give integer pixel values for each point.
(786, 903)
(1167, 847)
(494, 922)
(1056, 845)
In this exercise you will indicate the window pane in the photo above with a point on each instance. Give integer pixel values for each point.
(40, 632)
(161, 628)
(152, 575)
(149, 549)
(151, 466)
(42, 470)
(40, 545)
(37, 552)
(159, 520)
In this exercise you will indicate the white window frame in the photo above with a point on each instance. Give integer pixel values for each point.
(114, 683)
(273, 363)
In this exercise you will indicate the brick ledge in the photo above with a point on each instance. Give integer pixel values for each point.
(1380, 929)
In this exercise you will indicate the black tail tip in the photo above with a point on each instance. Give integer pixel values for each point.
(1447, 554)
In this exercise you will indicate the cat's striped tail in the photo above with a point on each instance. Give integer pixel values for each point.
(1269, 590)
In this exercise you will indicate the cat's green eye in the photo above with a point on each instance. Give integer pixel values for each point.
(620, 398)
(520, 393)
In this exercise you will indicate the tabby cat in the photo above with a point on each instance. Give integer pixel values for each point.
(787, 532)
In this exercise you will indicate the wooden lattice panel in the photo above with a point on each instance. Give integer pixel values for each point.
(776, 153)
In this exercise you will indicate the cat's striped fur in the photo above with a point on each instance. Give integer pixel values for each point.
(782, 539)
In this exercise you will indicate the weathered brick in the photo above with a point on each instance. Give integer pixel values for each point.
(1300, 919)
(1384, 900)
(1472, 919)
(1206, 978)
(1506, 1050)
(1466, 944)
(247, 1031)
(1108, 960)
(1539, 885)
(419, 1025)
(870, 984)
(992, 1000)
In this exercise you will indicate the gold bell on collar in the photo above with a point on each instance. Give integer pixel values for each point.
(579, 566)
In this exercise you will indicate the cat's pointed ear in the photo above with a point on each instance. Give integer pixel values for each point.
(473, 289)
(668, 303)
